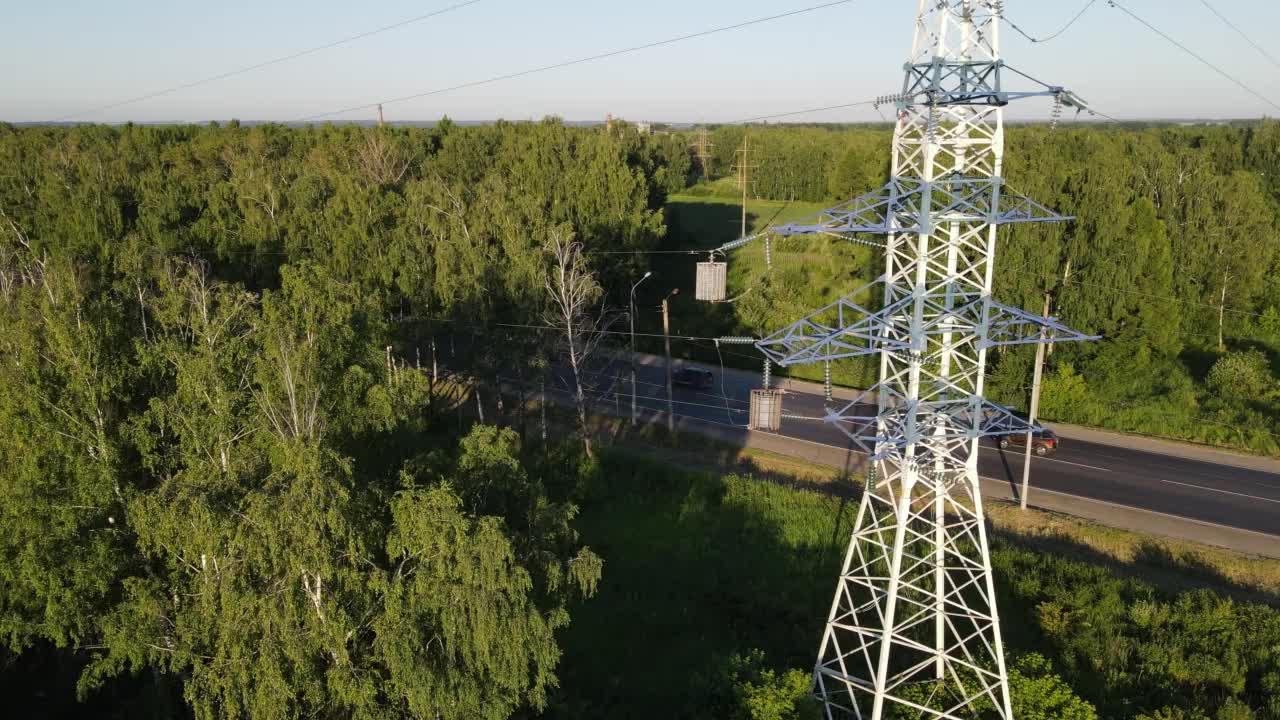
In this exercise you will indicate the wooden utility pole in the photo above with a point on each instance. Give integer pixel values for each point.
(1035, 409)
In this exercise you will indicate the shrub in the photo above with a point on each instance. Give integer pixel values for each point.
(1240, 376)
(762, 694)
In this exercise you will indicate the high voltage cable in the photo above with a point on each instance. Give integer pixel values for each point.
(1046, 39)
(801, 112)
(583, 60)
(545, 328)
(1115, 4)
(1147, 409)
(275, 61)
(1241, 33)
(1082, 283)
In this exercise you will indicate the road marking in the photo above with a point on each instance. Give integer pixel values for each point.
(1135, 508)
(1224, 492)
(1048, 459)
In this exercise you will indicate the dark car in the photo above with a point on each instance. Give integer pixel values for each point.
(1043, 441)
(693, 378)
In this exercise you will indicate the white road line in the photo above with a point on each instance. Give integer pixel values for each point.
(1136, 509)
(1084, 498)
(1049, 459)
(1224, 492)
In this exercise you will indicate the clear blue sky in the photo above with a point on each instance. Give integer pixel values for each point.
(63, 56)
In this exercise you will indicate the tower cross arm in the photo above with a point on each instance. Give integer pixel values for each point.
(1013, 326)
(843, 329)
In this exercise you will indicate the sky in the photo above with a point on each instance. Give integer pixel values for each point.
(64, 57)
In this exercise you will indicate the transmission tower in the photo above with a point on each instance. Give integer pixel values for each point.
(702, 147)
(913, 626)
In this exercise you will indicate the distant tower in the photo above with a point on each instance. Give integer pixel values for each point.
(913, 627)
(381, 120)
(608, 122)
(702, 147)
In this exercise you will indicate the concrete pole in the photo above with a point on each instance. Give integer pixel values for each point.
(635, 415)
(666, 339)
(1035, 409)
(742, 180)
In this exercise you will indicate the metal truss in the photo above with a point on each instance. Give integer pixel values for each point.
(847, 329)
(913, 625)
(900, 207)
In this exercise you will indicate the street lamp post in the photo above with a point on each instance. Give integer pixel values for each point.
(634, 414)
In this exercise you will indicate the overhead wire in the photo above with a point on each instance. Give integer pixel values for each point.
(860, 103)
(1055, 35)
(583, 60)
(1116, 4)
(1242, 34)
(273, 61)
(1198, 417)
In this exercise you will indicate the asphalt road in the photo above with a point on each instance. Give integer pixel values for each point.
(1203, 491)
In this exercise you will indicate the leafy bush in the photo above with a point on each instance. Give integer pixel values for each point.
(762, 694)
(1241, 376)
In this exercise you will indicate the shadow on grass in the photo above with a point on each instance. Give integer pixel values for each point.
(701, 566)
(698, 568)
(1153, 563)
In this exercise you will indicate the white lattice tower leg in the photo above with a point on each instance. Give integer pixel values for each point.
(914, 622)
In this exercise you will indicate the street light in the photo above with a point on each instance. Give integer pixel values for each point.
(633, 346)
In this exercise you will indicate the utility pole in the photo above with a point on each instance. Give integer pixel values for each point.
(666, 340)
(381, 120)
(743, 169)
(916, 599)
(702, 147)
(635, 415)
(1035, 408)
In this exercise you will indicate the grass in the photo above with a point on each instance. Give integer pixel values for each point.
(1173, 565)
(702, 566)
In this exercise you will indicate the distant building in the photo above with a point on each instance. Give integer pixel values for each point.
(644, 128)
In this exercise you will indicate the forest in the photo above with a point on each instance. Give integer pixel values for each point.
(235, 482)
(1173, 258)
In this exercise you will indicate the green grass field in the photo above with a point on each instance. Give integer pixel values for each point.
(700, 567)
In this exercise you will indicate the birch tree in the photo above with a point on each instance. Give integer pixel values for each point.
(574, 291)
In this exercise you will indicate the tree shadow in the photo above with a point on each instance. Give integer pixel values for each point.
(700, 568)
(697, 570)
(1153, 562)
(1198, 361)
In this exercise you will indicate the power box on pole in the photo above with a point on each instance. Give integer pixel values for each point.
(712, 277)
(766, 410)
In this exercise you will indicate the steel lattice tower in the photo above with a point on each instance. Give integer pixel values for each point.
(914, 621)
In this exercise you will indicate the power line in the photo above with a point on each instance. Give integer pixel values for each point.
(1192, 53)
(1089, 283)
(274, 61)
(860, 103)
(583, 60)
(1241, 33)
(1047, 38)
(553, 328)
